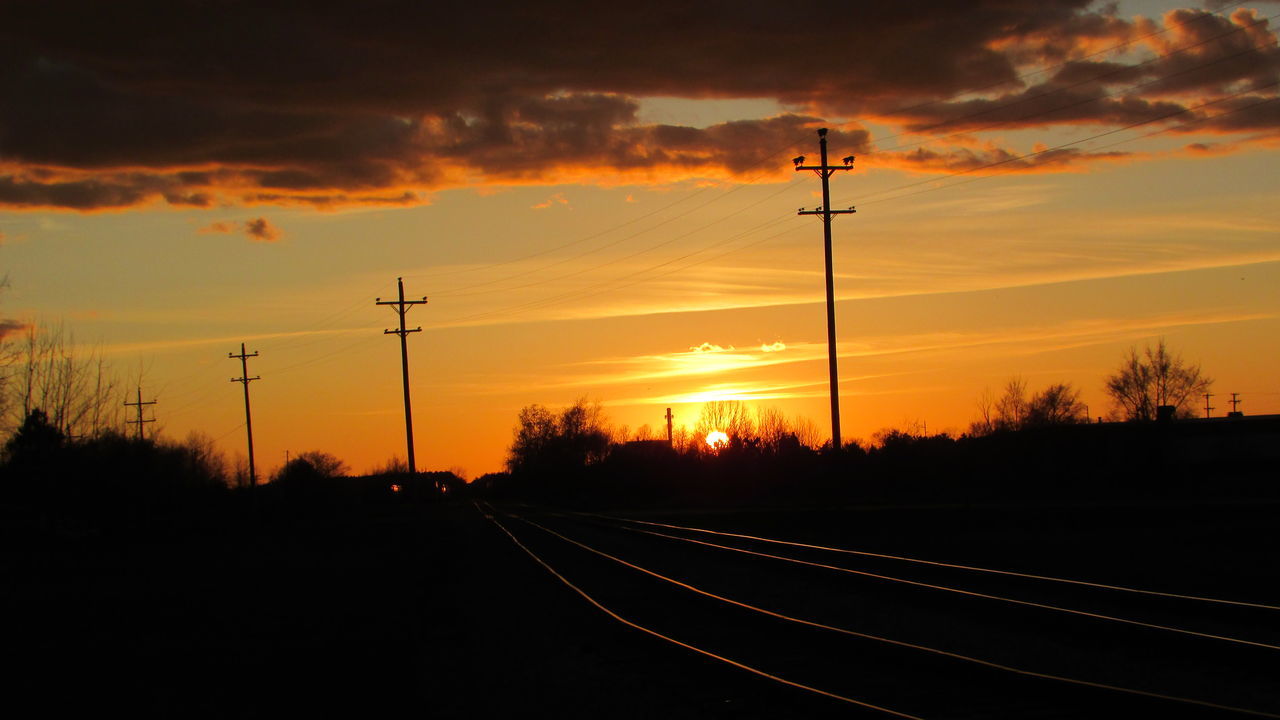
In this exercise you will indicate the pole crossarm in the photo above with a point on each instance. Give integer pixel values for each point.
(823, 212)
(139, 404)
(402, 307)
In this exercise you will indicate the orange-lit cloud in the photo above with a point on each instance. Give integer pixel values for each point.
(9, 327)
(261, 230)
(554, 199)
(343, 107)
(257, 230)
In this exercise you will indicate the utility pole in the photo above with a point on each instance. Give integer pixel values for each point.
(825, 171)
(670, 441)
(244, 379)
(1207, 407)
(401, 307)
(139, 422)
(1235, 403)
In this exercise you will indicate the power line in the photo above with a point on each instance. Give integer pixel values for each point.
(608, 285)
(1062, 146)
(889, 190)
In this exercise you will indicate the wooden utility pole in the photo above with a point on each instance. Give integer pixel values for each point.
(825, 171)
(244, 379)
(139, 422)
(1207, 407)
(401, 307)
(670, 441)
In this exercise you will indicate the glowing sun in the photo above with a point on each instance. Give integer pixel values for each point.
(717, 439)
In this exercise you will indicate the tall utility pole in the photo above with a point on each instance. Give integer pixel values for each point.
(1207, 407)
(825, 171)
(139, 422)
(1235, 402)
(401, 307)
(244, 379)
(670, 441)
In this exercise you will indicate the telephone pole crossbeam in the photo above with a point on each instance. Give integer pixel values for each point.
(402, 306)
(825, 171)
(140, 422)
(244, 379)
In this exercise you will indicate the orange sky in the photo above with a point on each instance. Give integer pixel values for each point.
(608, 223)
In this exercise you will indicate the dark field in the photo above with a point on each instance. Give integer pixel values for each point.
(383, 610)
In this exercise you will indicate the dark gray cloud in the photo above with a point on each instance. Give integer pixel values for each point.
(110, 105)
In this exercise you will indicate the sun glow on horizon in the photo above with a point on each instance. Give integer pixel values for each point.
(717, 439)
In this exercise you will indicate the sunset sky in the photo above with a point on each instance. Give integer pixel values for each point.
(599, 200)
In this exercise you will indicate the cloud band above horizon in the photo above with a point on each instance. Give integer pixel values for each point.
(191, 105)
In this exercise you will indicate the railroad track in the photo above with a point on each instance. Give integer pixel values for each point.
(893, 636)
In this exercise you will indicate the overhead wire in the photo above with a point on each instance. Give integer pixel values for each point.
(772, 154)
(522, 307)
(1043, 151)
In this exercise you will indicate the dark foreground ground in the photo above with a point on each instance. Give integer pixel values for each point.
(432, 610)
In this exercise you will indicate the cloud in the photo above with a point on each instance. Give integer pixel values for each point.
(707, 347)
(736, 372)
(218, 228)
(9, 327)
(557, 198)
(260, 230)
(242, 104)
(773, 347)
(1200, 56)
(257, 230)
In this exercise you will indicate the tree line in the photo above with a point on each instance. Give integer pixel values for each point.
(573, 453)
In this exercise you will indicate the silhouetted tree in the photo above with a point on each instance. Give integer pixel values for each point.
(1055, 405)
(76, 389)
(728, 416)
(1011, 408)
(35, 441)
(544, 441)
(1154, 378)
(395, 465)
(309, 466)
